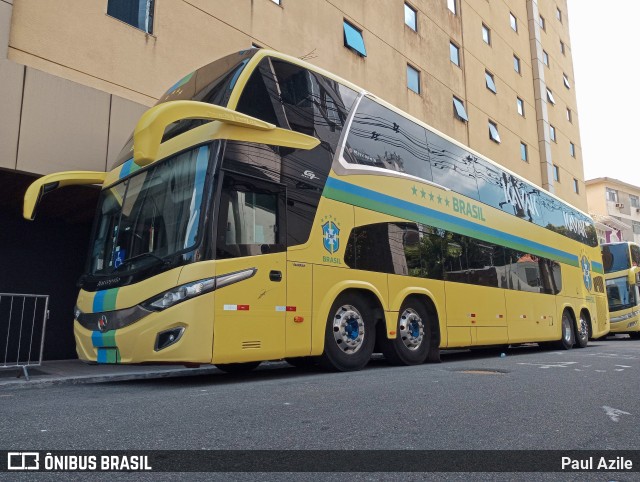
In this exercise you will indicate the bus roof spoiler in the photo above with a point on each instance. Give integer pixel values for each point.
(148, 133)
(50, 182)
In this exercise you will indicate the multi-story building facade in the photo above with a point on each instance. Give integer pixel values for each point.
(615, 206)
(496, 75)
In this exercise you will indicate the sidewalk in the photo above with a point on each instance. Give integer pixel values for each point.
(60, 372)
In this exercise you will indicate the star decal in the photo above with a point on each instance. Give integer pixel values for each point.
(414, 190)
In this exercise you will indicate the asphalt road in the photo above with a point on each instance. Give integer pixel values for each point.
(530, 398)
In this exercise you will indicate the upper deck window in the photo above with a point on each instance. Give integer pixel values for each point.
(353, 39)
(138, 13)
(615, 257)
(384, 139)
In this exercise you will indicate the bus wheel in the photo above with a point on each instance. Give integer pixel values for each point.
(411, 345)
(567, 340)
(349, 335)
(635, 335)
(238, 368)
(583, 333)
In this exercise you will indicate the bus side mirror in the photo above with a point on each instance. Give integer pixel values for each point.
(634, 276)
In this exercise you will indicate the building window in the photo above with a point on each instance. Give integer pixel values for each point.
(353, 39)
(569, 116)
(486, 34)
(572, 149)
(255, 46)
(520, 104)
(459, 110)
(277, 2)
(559, 14)
(611, 195)
(514, 22)
(138, 13)
(516, 63)
(454, 53)
(636, 227)
(413, 79)
(543, 25)
(634, 201)
(410, 17)
(562, 47)
(552, 133)
(545, 58)
(523, 152)
(565, 79)
(493, 132)
(451, 5)
(491, 85)
(550, 97)
(556, 173)
(576, 188)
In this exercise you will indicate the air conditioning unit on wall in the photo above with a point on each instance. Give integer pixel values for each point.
(619, 205)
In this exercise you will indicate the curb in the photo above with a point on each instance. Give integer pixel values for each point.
(47, 381)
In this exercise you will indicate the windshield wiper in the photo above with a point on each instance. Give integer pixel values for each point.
(157, 260)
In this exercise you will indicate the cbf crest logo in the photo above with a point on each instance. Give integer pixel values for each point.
(586, 272)
(331, 234)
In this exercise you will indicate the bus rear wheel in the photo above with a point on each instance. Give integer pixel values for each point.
(411, 345)
(349, 334)
(568, 339)
(583, 332)
(238, 368)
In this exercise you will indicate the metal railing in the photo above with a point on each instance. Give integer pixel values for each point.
(23, 322)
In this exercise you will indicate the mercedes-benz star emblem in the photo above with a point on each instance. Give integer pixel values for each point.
(102, 323)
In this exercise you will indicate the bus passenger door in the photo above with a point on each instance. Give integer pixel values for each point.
(298, 315)
(249, 323)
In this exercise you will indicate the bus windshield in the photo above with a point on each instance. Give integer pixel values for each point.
(615, 257)
(150, 216)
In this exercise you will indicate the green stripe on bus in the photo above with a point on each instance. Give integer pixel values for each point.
(453, 225)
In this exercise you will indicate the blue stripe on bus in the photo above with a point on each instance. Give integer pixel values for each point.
(102, 356)
(96, 339)
(98, 301)
(365, 193)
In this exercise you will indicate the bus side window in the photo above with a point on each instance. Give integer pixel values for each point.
(250, 218)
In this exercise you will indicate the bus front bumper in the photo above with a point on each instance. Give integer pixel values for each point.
(180, 334)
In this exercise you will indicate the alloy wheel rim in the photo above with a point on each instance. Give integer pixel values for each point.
(348, 329)
(411, 328)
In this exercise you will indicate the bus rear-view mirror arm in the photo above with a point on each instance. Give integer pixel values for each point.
(51, 182)
(148, 133)
(634, 276)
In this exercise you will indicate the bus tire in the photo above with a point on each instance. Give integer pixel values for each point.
(582, 338)
(567, 338)
(349, 334)
(635, 335)
(238, 368)
(413, 339)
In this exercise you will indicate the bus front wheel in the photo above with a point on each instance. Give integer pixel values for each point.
(349, 334)
(411, 345)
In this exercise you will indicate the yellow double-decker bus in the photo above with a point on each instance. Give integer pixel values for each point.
(267, 209)
(622, 275)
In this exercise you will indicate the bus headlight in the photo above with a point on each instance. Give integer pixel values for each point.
(179, 294)
(190, 290)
